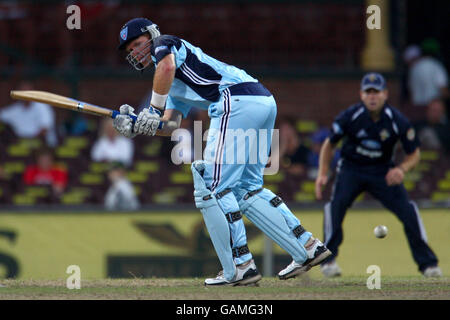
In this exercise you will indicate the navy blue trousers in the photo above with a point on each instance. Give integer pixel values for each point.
(348, 185)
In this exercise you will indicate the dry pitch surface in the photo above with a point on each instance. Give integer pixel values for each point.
(303, 288)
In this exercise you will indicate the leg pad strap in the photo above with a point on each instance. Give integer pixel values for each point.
(233, 216)
(298, 231)
(240, 251)
(223, 193)
(252, 193)
(276, 201)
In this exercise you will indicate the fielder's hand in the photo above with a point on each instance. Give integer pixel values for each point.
(123, 123)
(148, 121)
(321, 181)
(394, 176)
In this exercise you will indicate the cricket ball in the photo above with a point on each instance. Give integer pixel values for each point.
(380, 231)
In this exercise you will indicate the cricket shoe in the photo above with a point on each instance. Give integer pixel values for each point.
(331, 269)
(432, 272)
(246, 274)
(316, 251)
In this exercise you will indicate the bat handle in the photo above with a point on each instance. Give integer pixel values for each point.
(115, 113)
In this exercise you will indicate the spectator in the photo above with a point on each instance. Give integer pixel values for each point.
(120, 195)
(317, 139)
(111, 146)
(434, 132)
(74, 125)
(428, 78)
(293, 154)
(30, 119)
(45, 172)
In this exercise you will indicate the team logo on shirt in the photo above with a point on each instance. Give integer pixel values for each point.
(124, 33)
(371, 144)
(384, 134)
(411, 134)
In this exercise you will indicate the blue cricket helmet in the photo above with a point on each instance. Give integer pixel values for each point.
(135, 28)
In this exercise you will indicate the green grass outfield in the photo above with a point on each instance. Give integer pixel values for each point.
(400, 278)
(302, 288)
(360, 248)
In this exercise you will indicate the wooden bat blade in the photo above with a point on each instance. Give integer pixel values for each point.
(62, 102)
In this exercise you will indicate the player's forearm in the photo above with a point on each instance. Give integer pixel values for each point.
(162, 81)
(410, 161)
(164, 75)
(326, 154)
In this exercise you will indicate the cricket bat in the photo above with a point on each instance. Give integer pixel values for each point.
(65, 103)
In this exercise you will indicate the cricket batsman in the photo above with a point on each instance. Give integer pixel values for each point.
(186, 77)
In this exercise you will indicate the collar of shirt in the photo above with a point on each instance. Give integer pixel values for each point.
(385, 113)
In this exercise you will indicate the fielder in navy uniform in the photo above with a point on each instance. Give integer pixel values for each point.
(371, 129)
(186, 77)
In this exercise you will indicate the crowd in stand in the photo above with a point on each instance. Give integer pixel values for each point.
(32, 120)
(428, 94)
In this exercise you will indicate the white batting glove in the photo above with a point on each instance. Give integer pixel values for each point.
(123, 122)
(147, 122)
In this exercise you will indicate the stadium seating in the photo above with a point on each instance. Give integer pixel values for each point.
(158, 181)
(242, 33)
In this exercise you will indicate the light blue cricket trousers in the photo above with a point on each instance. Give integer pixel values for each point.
(237, 150)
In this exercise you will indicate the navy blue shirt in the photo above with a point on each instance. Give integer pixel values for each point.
(369, 143)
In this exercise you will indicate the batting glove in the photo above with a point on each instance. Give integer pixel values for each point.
(123, 122)
(147, 122)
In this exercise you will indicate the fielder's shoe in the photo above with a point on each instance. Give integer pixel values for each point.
(331, 269)
(246, 274)
(316, 251)
(432, 272)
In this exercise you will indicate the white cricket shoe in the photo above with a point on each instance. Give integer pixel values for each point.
(432, 272)
(331, 269)
(246, 274)
(317, 252)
